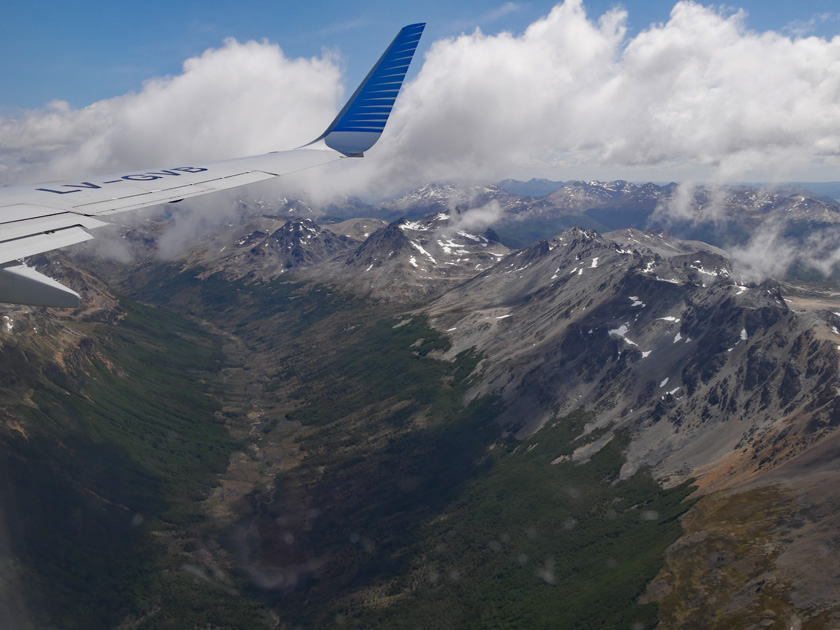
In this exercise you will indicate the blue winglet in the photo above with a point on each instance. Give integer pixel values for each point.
(360, 123)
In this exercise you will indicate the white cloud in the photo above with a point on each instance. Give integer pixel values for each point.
(239, 99)
(699, 91)
(805, 27)
(766, 255)
(490, 16)
(770, 253)
(698, 96)
(476, 219)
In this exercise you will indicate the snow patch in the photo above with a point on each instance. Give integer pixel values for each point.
(472, 237)
(424, 252)
(670, 280)
(414, 225)
(707, 273)
(621, 331)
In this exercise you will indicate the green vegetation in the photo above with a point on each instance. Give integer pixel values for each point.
(407, 509)
(121, 444)
(531, 544)
(389, 363)
(415, 521)
(241, 306)
(736, 540)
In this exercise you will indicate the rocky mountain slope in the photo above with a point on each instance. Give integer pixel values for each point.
(422, 424)
(705, 377)
(670, 346)
(724, 215)
(728, 216)
(407, 261)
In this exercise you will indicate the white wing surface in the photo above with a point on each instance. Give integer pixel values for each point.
(41, 217)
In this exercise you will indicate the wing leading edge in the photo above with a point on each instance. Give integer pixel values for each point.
(42, 217)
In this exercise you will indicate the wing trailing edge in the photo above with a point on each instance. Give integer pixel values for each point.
(20, 284)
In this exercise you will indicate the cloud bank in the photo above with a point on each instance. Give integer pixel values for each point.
(237, 100)
(699, 93)
(699, 96)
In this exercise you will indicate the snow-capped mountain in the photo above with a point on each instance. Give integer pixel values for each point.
(408, 260)
(448, 198)
(350, 412)
(534, 187)
(262, 250)
(663, 342)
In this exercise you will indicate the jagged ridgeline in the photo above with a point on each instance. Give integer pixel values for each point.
(798, 223)
(366, 424)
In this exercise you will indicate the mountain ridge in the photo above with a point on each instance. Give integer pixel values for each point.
(385, 389)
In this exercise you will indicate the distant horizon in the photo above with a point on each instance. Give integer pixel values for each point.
(662, 91)
(664, 183)
(819, 189)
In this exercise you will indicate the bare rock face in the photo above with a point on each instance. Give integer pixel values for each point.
(300, 243)
(410, 261)
(358, 229)
(714, 380)
(694, 364)
(711, 378)
(262, 251)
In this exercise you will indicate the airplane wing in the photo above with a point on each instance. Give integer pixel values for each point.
(41, 217)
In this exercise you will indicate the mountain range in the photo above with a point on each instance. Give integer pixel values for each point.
(433, 410)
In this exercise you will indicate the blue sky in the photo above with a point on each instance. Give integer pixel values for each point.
(82, 52)
(575, 89)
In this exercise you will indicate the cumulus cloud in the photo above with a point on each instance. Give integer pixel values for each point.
(699, 93)
(240, 99)
(477, 219)
(767, 255)
(573, 96)
(771, 252)
(694, 204)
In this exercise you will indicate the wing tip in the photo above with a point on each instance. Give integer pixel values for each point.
(359, 125)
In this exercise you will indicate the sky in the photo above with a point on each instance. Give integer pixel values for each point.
(581, 89)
